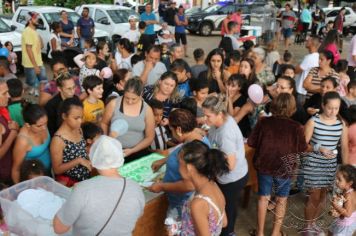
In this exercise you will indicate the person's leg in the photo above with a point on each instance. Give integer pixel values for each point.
(31, 79)
(311, 206)
(281, 205)
(282, 192)
(184, 42)
(322, 203)
(264, 192)
(177, 38)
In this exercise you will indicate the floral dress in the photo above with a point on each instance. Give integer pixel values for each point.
(71, 152)
(215, 224)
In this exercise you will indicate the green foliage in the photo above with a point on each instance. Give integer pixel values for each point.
(69, 3)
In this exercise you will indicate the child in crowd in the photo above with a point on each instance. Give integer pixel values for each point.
(344, 79)
(165, 54)
(91, 132)
(313, 104)
(161, 138)
(15, 106)
(93, 107)
(12, 57)
(178, 68)
(119, 80)
(31, 169)
(144, 41)
(345, 224)
(234, 63)
(352, 135)
(87, 67)
(286, 60)
(89, 45)
(350, 98)
(200, 88)
(165, 36)
(200, 66)
(288, 70)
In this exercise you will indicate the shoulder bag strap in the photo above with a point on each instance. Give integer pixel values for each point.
(112, 213)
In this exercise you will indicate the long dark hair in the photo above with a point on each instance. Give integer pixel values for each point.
(210, 163)
(127, 45)
(219, 52)
(331, 37)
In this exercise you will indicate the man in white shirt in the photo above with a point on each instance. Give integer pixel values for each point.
(133, 34)
(351, 58)
(309, 61)
(232, 31)
(150, 69)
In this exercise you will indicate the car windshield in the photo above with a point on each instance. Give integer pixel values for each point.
(4, 27)
(55, 16)
(121, 16)
(212, 8)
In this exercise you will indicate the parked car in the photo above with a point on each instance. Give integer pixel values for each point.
(48, 15)
(8, 33)
(210, 18)
(112, 19)
(350, 17)
(193, 10)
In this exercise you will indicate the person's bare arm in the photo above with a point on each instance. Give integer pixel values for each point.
(345, 145)
(57, 146)
(243, 111)
(6, 144)
(78, 31)
(108, 113)
(200, 216)
(309, 129)
(309, 86)
(59, 227)
(18, 155)
(32, 58)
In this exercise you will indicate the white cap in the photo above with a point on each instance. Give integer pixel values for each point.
(133, 17)
(106, 153)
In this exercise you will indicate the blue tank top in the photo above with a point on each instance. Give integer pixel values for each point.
(40, 152)
(179, 28)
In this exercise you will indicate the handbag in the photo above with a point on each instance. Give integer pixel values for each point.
(112, 213)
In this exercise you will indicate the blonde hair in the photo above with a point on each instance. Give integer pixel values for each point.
(216, 104)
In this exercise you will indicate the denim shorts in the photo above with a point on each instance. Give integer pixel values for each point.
(32, 79)
(287, 32)
(267, 182)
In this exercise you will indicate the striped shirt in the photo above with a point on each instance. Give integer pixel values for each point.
(319, 171)
(316, 78)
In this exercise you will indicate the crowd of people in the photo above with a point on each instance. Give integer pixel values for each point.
(118, 106)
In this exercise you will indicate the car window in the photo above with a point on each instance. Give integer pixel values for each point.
(333, 13)
(245, 9)
(212, 8)
(121, 16)
(4, 27)
(22, 17)
(100, 16)
(54, 16)
(227, 9)
(347, 12)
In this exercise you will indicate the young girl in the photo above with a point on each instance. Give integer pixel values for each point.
(341, 68)
(87, 67)
(68, 147)
(345, 225)
(203, 213)
(236, 93)
(200, 88)
(12, 57)
(247, 68)
(55, 40)
(31, 169)
(323, 132)
(352, 135)
(313, 104)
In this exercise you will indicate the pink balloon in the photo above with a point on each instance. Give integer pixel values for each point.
(255, 93)
(106, 72)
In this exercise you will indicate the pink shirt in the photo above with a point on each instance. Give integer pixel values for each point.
(223, 30)
(333, 49)
(352, 144)
(238, 19)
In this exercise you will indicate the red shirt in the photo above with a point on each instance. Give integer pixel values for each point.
(223, 30)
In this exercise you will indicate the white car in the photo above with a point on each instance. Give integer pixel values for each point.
(112, 19)
(350, 16)
(9, 34)
(48, 15)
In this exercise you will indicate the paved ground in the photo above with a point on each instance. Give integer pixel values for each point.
(247, 217)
